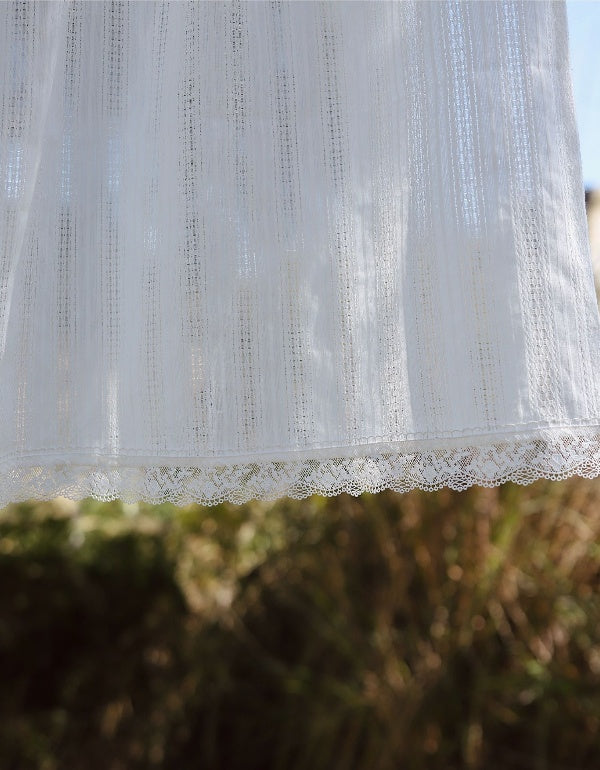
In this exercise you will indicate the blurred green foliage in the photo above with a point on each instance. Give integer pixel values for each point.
(438, 630)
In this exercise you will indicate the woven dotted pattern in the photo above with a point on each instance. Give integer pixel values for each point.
(255, 249)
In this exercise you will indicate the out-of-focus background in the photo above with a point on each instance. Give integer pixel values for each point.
(426, 631)
(423, 631)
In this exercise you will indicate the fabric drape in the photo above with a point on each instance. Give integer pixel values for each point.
(256, 249)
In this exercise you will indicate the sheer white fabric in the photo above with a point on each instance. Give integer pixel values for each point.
(259, 249)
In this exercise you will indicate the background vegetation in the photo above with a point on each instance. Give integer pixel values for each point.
(420, 631)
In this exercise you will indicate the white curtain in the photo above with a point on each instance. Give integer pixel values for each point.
(256, 249)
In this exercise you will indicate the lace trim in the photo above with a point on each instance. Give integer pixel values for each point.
(547, 454)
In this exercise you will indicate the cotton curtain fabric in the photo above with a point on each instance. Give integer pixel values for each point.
(257, 249)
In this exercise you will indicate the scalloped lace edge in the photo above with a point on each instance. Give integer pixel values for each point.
(548, 454)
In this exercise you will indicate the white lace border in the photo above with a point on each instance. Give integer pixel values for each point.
(485, 460)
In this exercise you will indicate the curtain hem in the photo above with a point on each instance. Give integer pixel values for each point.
(550, 454)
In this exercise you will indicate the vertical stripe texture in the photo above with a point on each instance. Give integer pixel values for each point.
(254, 249)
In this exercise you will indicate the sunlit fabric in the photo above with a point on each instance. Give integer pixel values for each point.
(256, 249)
